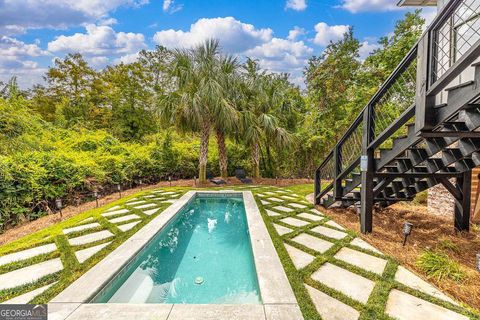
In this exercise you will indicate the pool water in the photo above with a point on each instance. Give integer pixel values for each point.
(202, 256)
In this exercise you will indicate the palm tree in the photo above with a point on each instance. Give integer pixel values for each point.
(226, 116)
(198, 102)
(263, 97)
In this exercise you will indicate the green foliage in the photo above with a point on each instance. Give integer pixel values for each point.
(447, 245)
(440, 266)
(421, 198)
(40, 162)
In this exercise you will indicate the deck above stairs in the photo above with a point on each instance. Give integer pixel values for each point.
(420, 129)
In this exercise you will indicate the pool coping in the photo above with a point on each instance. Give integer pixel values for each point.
(278, 299)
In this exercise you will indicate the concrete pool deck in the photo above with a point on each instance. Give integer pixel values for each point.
(278, 299)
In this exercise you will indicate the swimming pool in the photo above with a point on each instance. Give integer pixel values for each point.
(202, 256)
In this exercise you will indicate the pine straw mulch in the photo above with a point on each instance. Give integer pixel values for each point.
(27, 227)
(428, 230)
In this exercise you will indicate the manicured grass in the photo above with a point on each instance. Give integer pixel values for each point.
(301, 189)
(72, 268)
(373, 309)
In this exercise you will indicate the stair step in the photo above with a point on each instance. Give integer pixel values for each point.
(461, 85)
(455, 126)
(435, 164)
(469, 146)
(451, 155)
(439, 106)
(471, 117)
(464, 165)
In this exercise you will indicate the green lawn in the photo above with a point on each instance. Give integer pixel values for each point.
(373, 309)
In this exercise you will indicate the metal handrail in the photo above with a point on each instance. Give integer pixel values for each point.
(409, 58)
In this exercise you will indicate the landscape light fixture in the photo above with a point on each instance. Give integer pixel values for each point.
(119, 188)
(478, 261)
(59, 205)
(140, 183)
(95, 194)
(170, 180)
(276, 179)
(195, 180)
(407, 230)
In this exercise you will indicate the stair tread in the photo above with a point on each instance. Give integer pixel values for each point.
(439, 106)
(461, 85)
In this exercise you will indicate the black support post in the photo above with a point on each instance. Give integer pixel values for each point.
(367, 173)
(462, 206)
(337, 187)
(317, 185)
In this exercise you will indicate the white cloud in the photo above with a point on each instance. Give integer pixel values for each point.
(11, 47)
(107, 22)
(295, 33)
(367, 48)
(282, 55)
(326, 33)
(128, 58)
(16, 16)
(98, 62)
(355, 6)
(15, 60)
(166, 4)
(170, 6)
(234, 36)
(99, 41)
(297, 5)
(245, 40)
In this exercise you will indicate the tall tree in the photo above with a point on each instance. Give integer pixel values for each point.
(131, 100)
(197, 102)
(226, 114)
(71, 79)
(263, 96)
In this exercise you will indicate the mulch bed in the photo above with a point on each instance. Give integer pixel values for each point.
(428, 229)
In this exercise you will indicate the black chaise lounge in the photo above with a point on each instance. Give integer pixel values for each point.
(242, 176)
(215, 180)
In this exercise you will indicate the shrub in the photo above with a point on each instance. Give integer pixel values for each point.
(421, 198)
(438, 265)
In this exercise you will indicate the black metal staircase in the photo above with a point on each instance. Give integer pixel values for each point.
(419, 129)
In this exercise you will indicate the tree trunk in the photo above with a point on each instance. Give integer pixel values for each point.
(203, 156)
(222, 154)
(256, 160)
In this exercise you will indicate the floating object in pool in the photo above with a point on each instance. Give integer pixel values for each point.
(198, 280)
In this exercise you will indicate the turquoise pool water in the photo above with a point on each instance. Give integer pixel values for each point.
(203, 255)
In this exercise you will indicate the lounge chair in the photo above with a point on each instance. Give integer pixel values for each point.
(242, 176)
(214, 180)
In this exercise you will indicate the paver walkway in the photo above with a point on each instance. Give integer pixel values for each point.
(344, 276)
(27, 273)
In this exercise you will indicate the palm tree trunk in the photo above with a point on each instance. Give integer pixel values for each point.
(222, 154)
(203, 156)
(256, 160)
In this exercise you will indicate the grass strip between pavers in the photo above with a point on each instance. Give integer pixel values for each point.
(373, 309)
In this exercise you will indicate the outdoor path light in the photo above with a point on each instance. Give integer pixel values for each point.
(58, 204)
(119, 188)
(478, 261)
(407, 230)
(95, 194)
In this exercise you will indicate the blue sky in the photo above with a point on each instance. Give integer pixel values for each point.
(281, 34)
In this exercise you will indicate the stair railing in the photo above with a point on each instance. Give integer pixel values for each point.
(403, 96)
